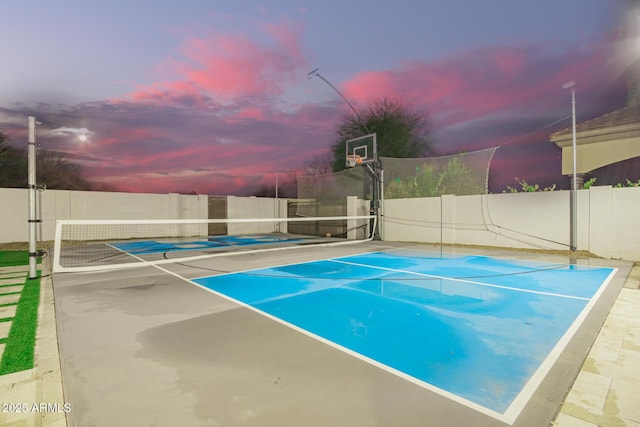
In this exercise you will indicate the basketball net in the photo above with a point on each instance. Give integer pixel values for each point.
(353, 160)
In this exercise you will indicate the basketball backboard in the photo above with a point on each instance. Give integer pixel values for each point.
(361, 150)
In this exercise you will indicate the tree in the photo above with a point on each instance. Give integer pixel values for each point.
(13, 165)
(287, 187)
(430, 181)
(320, 164)
(400, 131)
(265, 190)
(57, 171)
(54, 169)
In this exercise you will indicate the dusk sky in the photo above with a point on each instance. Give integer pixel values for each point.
(213, 96)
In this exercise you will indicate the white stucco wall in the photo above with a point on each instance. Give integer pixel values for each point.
(607, 219)
(256, 207)
(61, 204)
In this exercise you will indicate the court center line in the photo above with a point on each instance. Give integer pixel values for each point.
(433, 276)
(271, 267)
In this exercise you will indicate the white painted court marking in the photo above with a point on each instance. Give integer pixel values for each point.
(520, 401)
(249, 270)
(433, 276)
(512, 412)
(425, 385)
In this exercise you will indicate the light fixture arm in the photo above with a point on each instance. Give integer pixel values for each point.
(316, 73)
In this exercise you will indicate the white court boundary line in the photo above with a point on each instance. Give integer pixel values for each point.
(518, 403)
(249, 270)
(527, 391)
(433, 276)
(373, 362)
(540, 374)
(420, 248)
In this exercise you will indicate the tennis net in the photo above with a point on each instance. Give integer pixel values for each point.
(91, 245)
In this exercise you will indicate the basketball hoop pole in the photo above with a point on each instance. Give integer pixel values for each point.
(376, 172)
(378, 190)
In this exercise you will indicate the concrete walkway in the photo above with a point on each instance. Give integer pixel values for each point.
(41, 385)
(605, 392)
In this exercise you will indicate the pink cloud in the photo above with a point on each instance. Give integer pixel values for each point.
(250, 113)
(229, 66)
(127, 135)
(508, 62)
(184, 180)
(474, 84)
(218, 127)
(172, 93)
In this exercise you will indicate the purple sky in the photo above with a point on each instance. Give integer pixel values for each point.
(213, 96)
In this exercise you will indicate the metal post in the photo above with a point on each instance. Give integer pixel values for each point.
(573, 200)
(574, 186)
(277, 206)
(381, 207)
(33, 273)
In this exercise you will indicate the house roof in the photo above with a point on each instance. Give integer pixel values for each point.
(624, 116)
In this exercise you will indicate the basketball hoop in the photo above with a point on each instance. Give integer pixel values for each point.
(360, 151)
(353, 160)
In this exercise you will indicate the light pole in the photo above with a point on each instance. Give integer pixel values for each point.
(574, 181)
(316, 73)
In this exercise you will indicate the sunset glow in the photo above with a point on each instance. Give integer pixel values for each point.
(215, 100)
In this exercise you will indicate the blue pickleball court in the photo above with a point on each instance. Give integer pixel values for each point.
(482, 331)
(150, 247)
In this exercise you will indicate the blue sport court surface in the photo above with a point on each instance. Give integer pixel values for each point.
(479, 330)
(149, 247)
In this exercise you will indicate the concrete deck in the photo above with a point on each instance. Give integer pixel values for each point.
(134, 355)
(42, 384)
(606, 390)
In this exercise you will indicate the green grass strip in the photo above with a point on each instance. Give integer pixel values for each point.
(13, 258)
(19, 345)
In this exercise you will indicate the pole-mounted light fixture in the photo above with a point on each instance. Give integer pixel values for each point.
(574, 181)
(316, 73)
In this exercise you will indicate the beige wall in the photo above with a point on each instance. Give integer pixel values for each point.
(598, 147)
(596, 155)
(62, 204)
(607, 217)
(256, 207)
(607, 220)
(259, 207)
